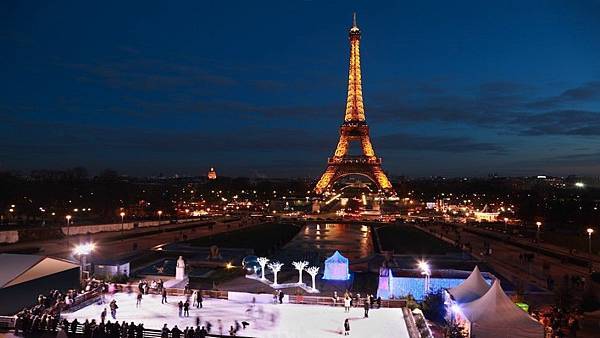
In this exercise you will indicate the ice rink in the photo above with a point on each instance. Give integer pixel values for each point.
(266, 320)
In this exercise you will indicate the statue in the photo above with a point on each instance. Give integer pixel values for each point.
(180, 269)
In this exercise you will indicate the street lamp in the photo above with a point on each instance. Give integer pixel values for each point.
(426, 271)
(537, 234)
(159, 214)
(506, 224)
(122, 214)
(590, 231)
(68, 218)
(82, 250)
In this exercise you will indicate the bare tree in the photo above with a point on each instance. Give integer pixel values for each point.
(313, 271)
(300, 267)
(263, 262)
(275, 267)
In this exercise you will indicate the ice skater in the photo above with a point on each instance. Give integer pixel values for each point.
(346, 327)
(164, 296)
(103, 315)
(186, 309)
(180, 306)
(366, 307)
(113, 308)
(138, 301)
(347, 304)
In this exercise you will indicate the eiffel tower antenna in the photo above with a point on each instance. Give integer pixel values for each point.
(354, 20)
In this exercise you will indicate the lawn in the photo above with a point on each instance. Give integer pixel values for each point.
(263, 238)
(404, 239)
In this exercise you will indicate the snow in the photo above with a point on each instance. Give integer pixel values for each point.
(266, 320)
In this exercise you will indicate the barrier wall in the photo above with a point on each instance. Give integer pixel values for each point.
(96, 228)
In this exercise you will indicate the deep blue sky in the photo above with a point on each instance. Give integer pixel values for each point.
(258, 88)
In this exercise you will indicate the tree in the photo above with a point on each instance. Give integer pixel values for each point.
(313, 271)
(263, 262)
(275, 267)
(300, 267)
(433, 306)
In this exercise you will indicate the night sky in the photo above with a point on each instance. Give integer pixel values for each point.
(258, 88)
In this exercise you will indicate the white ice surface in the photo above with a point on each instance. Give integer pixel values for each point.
(266, 320)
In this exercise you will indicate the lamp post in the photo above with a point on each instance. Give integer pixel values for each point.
(83, 250)
(537, 233)
(506, 224)
(159, 214)
(68, 218)
(426, 271)
(122, 214)
(590, 231)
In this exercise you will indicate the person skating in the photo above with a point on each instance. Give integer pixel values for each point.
(347, 304)
(346, 327)
(186, 309)
(103, 315)
(200, 299)
(281, 294)
(366, 306)
(138, 300)
(180, 305)
(164, 296)
(113, 308)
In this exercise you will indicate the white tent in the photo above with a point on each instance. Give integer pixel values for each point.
(336, 267)
(494, 315)
(23, 277)
(470, 289)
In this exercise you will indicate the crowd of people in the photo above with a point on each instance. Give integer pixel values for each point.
(559, 323)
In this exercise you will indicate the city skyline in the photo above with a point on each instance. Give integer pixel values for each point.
(465, 90)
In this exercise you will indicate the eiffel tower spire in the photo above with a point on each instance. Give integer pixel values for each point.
(355, 110)
(354, 129)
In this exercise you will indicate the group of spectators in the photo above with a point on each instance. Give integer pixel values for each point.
(156, 286)
(558, 323)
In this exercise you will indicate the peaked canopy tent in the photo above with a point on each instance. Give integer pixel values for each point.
(471, 289)
(24, 277)
(494, 315)
(336, 267)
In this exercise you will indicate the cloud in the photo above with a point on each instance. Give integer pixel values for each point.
(587, 92)
(452, 144)
(559, 122)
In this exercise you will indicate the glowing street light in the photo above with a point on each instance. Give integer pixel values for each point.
(590, 231)
(425, 271)
(537, 234)
(83, 250)
(159, 214)
(122, 214)
(68, 218)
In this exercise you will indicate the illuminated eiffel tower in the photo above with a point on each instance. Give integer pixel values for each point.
(354, 129)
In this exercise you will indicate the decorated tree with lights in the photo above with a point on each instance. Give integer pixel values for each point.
(263, 262)
(313, 271)
(275, 268)
(300, 267)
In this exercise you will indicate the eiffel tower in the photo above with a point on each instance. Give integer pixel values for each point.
(354, 129)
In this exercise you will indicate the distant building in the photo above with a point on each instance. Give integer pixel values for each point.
(212, 174)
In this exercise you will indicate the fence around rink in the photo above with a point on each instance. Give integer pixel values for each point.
(90, 297)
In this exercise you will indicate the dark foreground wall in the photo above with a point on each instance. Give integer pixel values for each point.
(14, 298)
